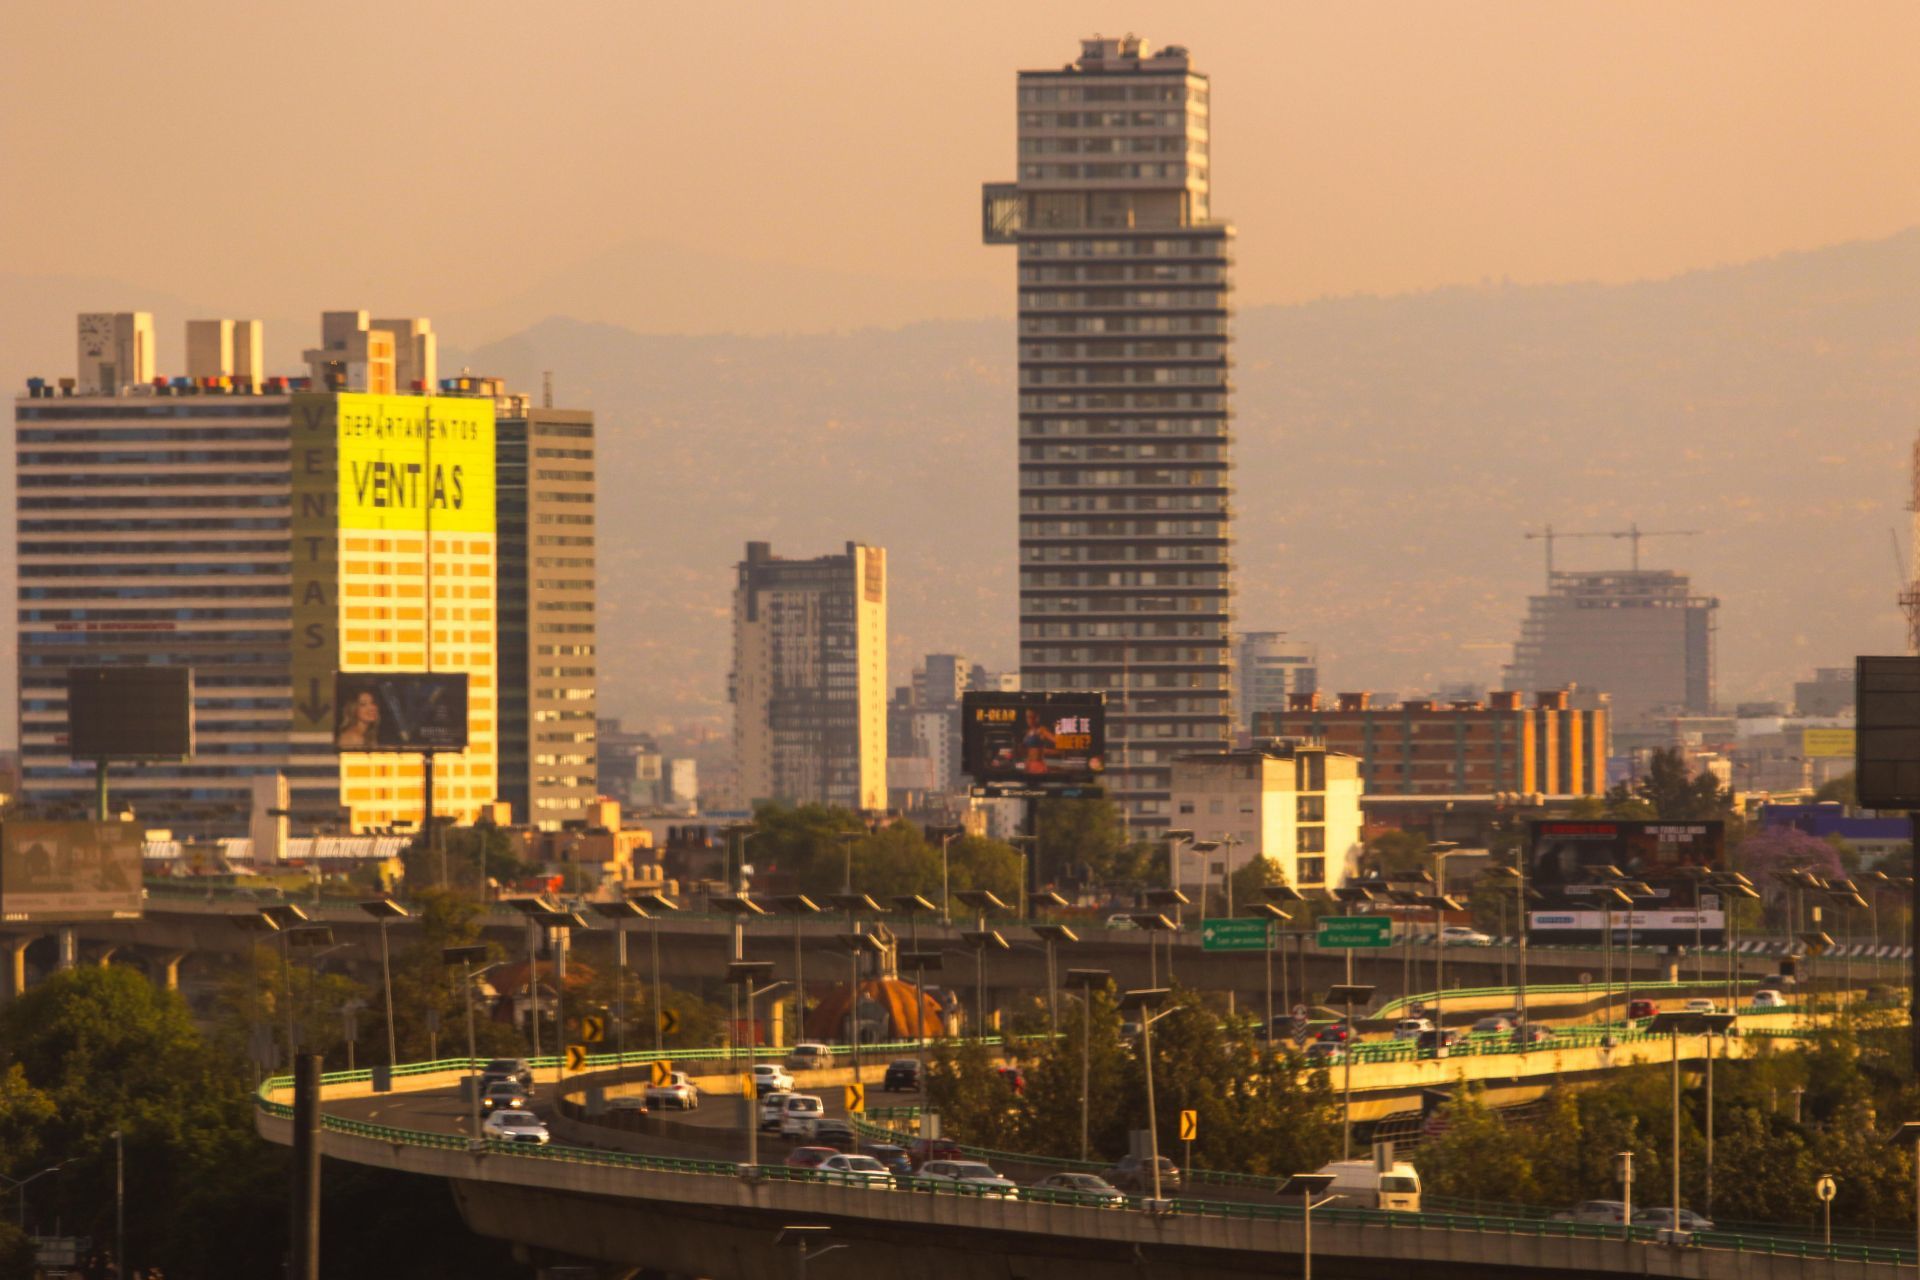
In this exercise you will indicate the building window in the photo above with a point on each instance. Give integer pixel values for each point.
(1312, 840)
(1312, 870)
(1312, 809)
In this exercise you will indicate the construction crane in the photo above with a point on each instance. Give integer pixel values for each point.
(1633, 532)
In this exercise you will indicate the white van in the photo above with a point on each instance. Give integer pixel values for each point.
(1766, 998)
(809, 1055)
(1362, 1186)
(798, 1114)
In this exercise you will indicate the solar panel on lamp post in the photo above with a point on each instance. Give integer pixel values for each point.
(1274, 917)
(1307, 1186)
(386, 911)
(1161, 900)
(738, 908)
(1286, 894)
(1086, 980)
(620, 912)
(1154, 924)
(1143, 1003)
(857, 945)
(1350, 994)
(1053, 935)
(746, 975)
(560, 926)
(1674, 1025)
(981, 940)
(917, 963)
(656, 905)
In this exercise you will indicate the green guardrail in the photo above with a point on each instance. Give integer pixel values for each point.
(1397, 1006)
(1430, 1220)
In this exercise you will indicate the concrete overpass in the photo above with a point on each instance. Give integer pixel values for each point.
(626, 1214)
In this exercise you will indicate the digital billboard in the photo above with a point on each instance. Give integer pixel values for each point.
(130, 713)
(1886, 763)
(1034, 743)
(69, 871)
(1565, 859)
(412, 711)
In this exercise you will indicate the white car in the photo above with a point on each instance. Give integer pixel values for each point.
(679, 1092)
(810, 1055)
(771, 1077)
(1121, 920)
(1410, 1028)
(798, 1114)
(855, 1171)
(1459, 935)
(1768, 999)
(515, 1126)
(972, 1174)
(1699, 1004)
(772, 1107)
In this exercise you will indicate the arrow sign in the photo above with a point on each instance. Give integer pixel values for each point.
(856, 1099)
(661, 1074)
(1189, 1125)
(669, 1021)
(576, 1057)
(593, 1028)
(316, 704)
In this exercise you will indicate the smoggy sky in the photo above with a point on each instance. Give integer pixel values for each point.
(432, 156)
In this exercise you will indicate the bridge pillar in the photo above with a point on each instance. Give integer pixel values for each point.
(170, 969)
(69, 944)
(16, 957)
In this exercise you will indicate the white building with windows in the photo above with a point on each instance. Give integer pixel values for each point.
(1293, 802)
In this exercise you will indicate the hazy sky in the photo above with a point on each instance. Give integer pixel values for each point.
(445, 158)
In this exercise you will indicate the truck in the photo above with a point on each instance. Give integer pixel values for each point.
(1367, 1184)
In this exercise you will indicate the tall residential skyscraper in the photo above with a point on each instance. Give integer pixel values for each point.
(547, 627)
(809, 680)
(1125, 468)
(1641, 635)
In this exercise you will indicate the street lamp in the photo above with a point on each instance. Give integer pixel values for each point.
(561, 924)
(656, 905)
(946, 879)
(1674, 1025)
(1143, 1003)
(1053, 935)
(799, 906)
(1733, 888)
(621, 912)
(1720, 1024)
(1908, 1135)
(1307, 1186)
(739, 908)
(1086, 980)
(260, 1045)
(1350, 994)
(1160, 900)
(1286, 894)
(386, 911)
(1633, 889)
(529, 907)
(857, 943)
(744, 974)
(1516, 877)
(463, 957)
(1609, 896)
(981, 940)
(20, 1185)
(803, 1239)
(1274, 917)
(280, 918)
(917, 963)
(1155, 923)
(1440, 904)
(311, 937)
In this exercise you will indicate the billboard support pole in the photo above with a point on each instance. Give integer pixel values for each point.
(1913, 954)
(100, 788)
(434, 848)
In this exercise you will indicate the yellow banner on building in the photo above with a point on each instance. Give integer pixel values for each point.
(1826, 743)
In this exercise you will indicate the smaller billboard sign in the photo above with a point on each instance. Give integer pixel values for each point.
(69, 871)
(1826, 744)
(1334, 932)
(1040, 742)
(412, 711)
(1235, 933)
(1570, 861)
(130, 713)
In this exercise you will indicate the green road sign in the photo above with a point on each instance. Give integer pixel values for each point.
(1354, 931)
(1233, 934)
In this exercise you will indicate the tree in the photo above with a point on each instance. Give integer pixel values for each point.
(1672, 791)
(1840, 790)
(978, 863)
(1395, 851)
(1771, 850)
(1082, 840)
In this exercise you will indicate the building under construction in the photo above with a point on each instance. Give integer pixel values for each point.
(1641, 635)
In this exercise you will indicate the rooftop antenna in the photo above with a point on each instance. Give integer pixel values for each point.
(546, 388)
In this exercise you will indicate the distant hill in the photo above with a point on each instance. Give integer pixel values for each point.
(1390, 453)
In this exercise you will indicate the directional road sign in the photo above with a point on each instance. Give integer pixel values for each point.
(1189, 1125)
(576, 1057)
(1354, 931)
(1825, 1188)
(661, 1074)
(1233, 934)
(856, 1098)
(593, 1028)
(669, 1021)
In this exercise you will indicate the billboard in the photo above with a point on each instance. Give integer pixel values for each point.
(130, 713)
(1826, 744)
(1034, 743)
(69, 871)
(1564, 861)
(411, 711)
(1886, 764)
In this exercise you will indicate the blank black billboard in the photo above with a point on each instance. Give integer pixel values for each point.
(130, 713)
(1886, 759)
(414, 711)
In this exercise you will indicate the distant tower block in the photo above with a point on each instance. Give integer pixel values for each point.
(1910, 598)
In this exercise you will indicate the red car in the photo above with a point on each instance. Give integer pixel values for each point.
(1015, 1079)
(921, 1150)
(809, 1157)
(1339, 1033)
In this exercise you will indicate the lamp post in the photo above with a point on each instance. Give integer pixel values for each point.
(529, 908)
(464, 956)
(1307, 1186)
(280, 918)
(1845, 896)
(20, 1185)
(1516, 875)
(1609, 896)
(918, 962)
(259, 1045)
(799, 906)
(1733, 888)
(1674, 1025)
(1274, 917)
(386, 911)
(946, 879)
(981, 940)
(1351, 994)
(1143, 1003)
(1721, 1024)
(1175, 839)
(1155, 924)
(1160, 900)
(739, 908)
(803, 1239)
(857, 943)
(1053, 935)
(1086, 980)
(656, 905)
(561, 924)
(621, 913)
(311, 937)
(1908, 1135)
(1440, 903)
(744, 974)
(1277, 894)
(1633, 889)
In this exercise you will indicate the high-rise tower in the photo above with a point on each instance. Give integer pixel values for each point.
(1125, 471)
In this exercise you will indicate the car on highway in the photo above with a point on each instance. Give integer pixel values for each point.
(679, 1093)
(1410, 1028)
(1641, 1009)
(503, 1095)
(1324, 1052)
(855, 1171)
(1121, 920)
(809, 1157)
(1698, 1004)
(921, 1150)
(628, 1103)
(892, 1155)
(515, 1126)
(518, 1069)
(975, 1175)
(799, 1113)
(1495, 1025)
(771, 1077)
(1133, 1173)
(903, 1076)
(1085, 1188)
(809, 1055)
(1436, 1042)
(1014, 1078)
(1595, 1213)
(1662, 1220)
(1338, 1032)
(1767, 998)
(1528, 1033)
(1459, 935)
(772, 1107)
(829, 1131)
